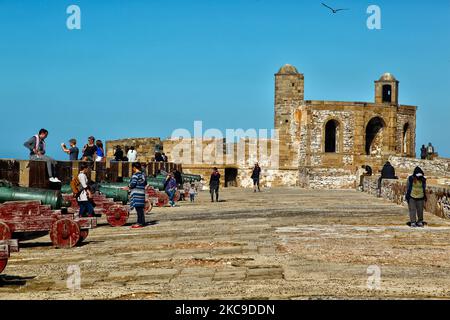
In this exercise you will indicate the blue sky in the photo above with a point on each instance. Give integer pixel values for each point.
(144, 68)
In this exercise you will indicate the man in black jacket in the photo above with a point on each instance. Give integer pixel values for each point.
(388, 172)
(214, 184)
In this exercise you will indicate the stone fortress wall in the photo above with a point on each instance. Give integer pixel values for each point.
(320, 143)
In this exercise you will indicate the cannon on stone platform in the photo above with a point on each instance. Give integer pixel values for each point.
(6, 247)
(116, 212)
(47, 197)
(31, 219)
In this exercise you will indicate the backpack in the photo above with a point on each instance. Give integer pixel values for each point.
(75, 185)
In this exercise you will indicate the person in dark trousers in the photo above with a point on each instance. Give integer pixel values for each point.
(179, 180)
(72, 151)
(85, 194)
(416, 197)
(118, 154)
(137, 186)
(214, 183)
(89, 150)
(170, 186)
(388, 172)
(36, 145)
(423, 152)
(255, 176)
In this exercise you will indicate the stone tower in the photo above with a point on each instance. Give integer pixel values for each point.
(386, 89)
(289, 95)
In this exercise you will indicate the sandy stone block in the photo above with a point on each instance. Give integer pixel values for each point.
(157, 273)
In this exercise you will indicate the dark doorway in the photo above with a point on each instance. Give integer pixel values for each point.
(387, 93)
(373, 128)
(231, 177)
(331, 136)
(405, 144)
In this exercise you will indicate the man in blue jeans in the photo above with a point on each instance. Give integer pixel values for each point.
(86, 207)
(171, 187)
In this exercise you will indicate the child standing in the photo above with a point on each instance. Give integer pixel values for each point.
(192, 192)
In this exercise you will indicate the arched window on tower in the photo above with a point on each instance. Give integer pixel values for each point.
(387, 93)
(405, 140)
(374, 136)
(331, 136)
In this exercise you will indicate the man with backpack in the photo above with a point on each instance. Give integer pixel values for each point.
(36, 145)
(82, 192)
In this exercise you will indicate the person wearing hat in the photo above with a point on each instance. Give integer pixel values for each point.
(416, 197)
(89, 150)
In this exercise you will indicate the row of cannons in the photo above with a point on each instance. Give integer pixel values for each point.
(28, 213)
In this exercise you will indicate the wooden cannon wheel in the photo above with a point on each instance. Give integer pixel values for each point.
(65, 233)
(3, 263)
(117, 215)
(148, 206)
(163, 199)
(83, 235)
(177, 196)
(5, 232)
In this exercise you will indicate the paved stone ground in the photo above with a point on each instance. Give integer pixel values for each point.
(281, 243)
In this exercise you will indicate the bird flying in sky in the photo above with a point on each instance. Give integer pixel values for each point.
(334, 10)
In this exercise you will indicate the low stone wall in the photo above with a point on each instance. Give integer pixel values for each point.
(394, 190)
(326, 178)
(439, 167)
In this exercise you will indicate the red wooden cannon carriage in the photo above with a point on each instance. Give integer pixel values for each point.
(30, 219)
(6, 247)
(116, 212)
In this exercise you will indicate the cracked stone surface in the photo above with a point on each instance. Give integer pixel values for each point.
(282, 243)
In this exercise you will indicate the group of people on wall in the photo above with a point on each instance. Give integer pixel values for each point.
(93, 151)
(415, 195)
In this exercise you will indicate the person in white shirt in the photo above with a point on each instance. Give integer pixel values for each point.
(86, 208)
(132, 155)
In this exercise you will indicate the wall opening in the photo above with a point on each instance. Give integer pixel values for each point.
(374, 137)
(387, 93)
(231, 177)
(405, 139)
(331, 136)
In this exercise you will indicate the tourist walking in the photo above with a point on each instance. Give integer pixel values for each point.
(84, 195)
(416, 197)
(132, 154)
(214, 183)
(255, 176)
(36, 145)
(137, 186)
(72, 151)
(423, 152)
(179, 179)
(170, 186)
(89, 150)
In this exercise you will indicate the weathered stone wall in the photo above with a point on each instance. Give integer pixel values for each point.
(145, 147)
(326, 178)
(438, 202)
(438, 168)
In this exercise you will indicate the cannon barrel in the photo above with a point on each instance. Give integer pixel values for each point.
(155, 183)
(46, 197)
(116, 193)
